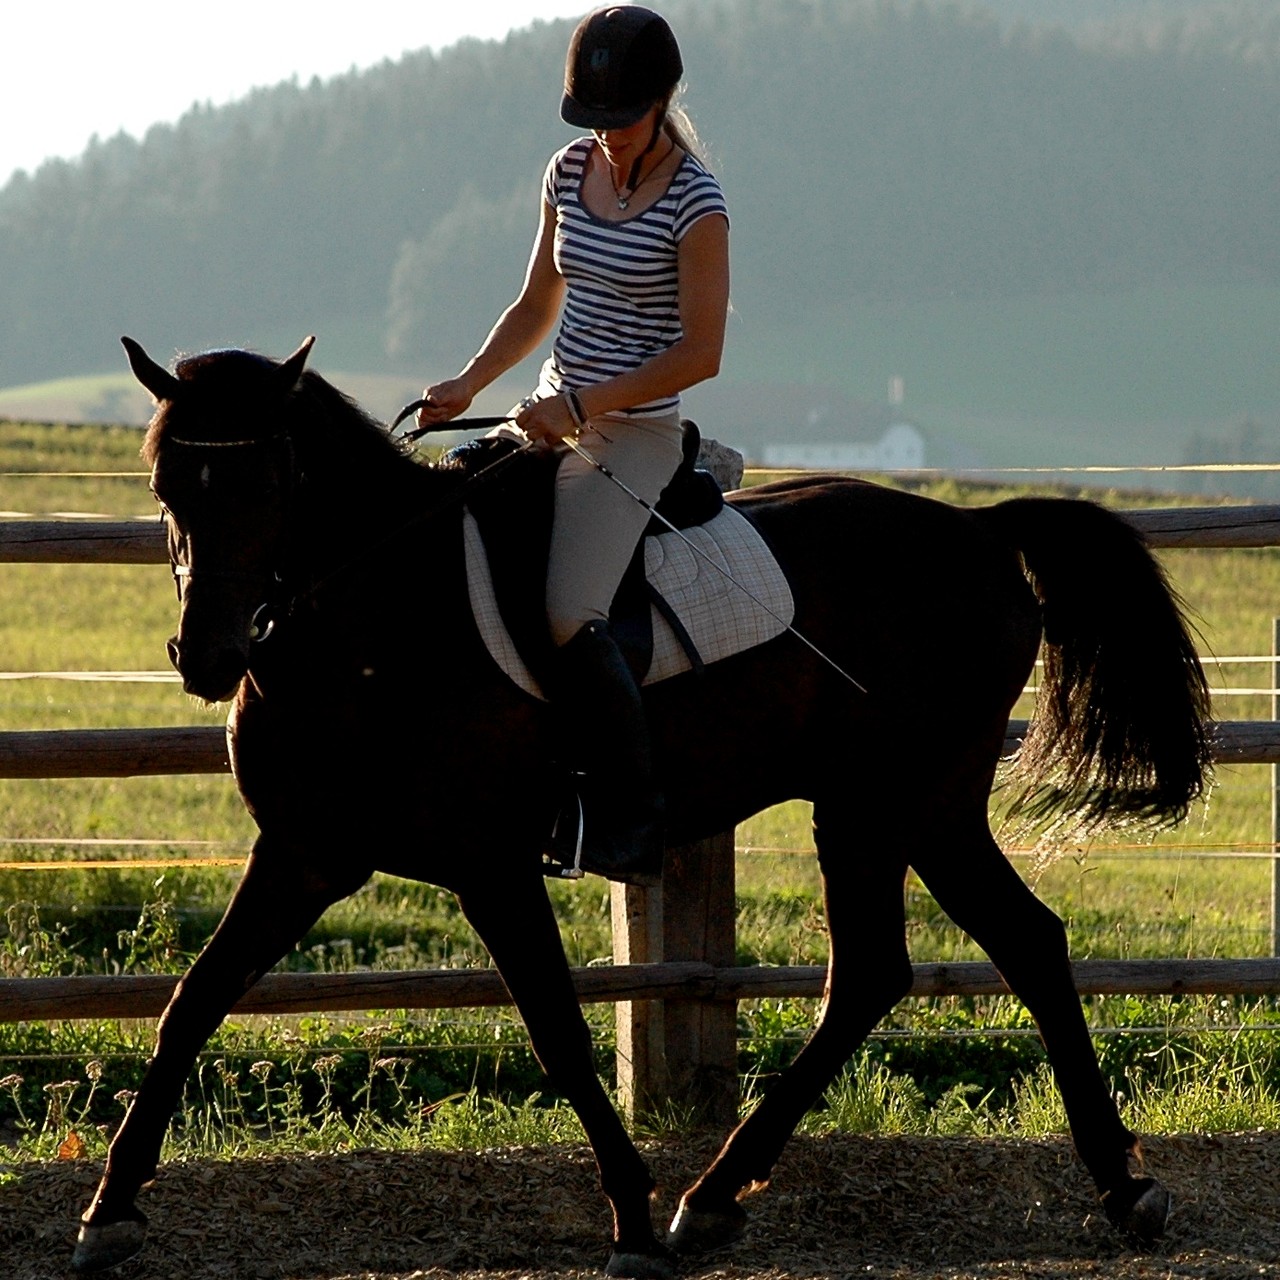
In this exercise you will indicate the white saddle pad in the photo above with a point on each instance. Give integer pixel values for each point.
(718, 614)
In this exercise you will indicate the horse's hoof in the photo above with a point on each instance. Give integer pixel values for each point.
(701, 1230)
(1145, 1215)
(640, 1266)
(98, 1248)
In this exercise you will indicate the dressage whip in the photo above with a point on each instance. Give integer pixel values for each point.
(698, 551)
(481, 423)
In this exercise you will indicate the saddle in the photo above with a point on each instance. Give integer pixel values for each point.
(512, 508)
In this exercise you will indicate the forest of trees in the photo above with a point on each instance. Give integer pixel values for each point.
(882, 149)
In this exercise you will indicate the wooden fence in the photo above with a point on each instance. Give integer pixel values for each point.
(674, 980)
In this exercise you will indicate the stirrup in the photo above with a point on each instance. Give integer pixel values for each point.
(562, 869)
(556, 869)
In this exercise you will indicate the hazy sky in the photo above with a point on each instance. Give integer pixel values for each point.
(71, 70)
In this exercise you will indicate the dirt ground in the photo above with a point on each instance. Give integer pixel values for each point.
(910, 1209)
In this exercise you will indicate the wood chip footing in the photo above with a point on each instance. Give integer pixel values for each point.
(893, 1208)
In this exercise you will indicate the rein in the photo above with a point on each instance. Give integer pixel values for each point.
(454, 498)
(263, 623)
(466, 424)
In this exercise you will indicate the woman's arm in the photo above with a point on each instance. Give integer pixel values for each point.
(519, 330)
(702, 265)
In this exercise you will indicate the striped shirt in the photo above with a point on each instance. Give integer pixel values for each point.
(622, 304)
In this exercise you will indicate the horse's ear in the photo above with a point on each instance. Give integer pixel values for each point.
(291, 369)
(160, 382)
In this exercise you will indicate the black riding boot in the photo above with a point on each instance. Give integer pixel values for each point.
(613, 825)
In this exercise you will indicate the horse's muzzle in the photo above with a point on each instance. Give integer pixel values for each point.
(212, 677)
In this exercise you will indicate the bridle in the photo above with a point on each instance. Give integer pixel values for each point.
(263, 622)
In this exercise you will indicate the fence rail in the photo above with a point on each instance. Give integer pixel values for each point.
(131, 753)
(143, 541)
(38, 999)
(82, 542)
(113, 753)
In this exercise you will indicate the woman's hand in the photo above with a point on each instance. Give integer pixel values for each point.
(445, 401)
(547, 421)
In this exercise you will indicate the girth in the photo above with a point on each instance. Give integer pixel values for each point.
(513, 509)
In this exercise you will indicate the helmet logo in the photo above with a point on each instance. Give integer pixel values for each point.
(599, 59)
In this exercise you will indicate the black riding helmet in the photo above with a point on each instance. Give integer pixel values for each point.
(622, 59)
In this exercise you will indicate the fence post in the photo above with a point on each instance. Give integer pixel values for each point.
(680, 1051)
(1275, 793)
(700, 923)
(641, 1053)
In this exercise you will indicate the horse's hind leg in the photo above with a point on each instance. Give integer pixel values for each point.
(972, 881)
(277, 900)
(868, 972)
(520, 931)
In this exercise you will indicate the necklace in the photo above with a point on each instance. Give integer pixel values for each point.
(623, 196)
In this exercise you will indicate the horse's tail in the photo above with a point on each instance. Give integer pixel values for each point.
(1122, 725)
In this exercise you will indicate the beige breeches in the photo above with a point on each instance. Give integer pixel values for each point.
(597, 526)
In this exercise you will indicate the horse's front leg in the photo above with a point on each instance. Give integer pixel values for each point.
(279, 897)
(519, 929)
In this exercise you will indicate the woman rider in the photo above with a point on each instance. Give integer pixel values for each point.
(632, 257)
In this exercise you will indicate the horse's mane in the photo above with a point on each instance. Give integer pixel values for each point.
(236, 395)
(349, 432)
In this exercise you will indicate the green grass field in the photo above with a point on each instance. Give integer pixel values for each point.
(1184, 895)
(61, 619)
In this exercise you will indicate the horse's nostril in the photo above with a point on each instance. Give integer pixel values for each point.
(171, 647)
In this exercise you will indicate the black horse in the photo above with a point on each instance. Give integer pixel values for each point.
(371, 732)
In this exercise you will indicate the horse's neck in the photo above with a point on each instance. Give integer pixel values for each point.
(362, 541)
(342, 515)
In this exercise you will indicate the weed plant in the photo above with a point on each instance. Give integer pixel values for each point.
(317, 1087)
(259, 1107)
